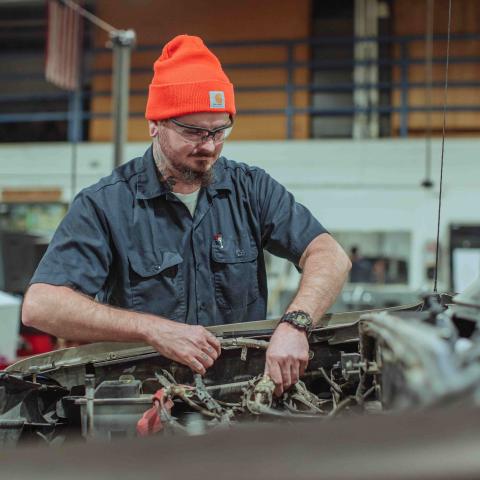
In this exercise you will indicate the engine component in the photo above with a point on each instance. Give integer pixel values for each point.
(106, 391)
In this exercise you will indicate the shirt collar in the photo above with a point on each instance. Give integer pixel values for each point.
(150, 185)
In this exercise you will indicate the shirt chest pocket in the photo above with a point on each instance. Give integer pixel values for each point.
(235, 271)
(157, 284)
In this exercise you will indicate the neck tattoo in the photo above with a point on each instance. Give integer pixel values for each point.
(169, 181)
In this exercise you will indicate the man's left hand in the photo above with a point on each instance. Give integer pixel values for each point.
(287, 357)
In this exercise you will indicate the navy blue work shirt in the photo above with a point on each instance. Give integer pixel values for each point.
(130, 242)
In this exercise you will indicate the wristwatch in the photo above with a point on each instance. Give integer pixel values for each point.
(299, 319)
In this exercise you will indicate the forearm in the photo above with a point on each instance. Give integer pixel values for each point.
(68, 314)
(325, 268)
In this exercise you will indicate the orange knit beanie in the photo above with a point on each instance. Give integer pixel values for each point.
(188, 78)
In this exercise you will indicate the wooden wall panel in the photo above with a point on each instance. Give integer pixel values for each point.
(157, 21)
(259, 127)
(410, 19)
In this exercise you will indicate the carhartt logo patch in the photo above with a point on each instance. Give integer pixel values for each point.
(217, 99)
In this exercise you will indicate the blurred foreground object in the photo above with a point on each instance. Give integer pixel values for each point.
(441, 445)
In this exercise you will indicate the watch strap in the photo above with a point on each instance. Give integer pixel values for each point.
(299, 319)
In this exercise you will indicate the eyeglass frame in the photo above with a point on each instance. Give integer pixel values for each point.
(210, 133)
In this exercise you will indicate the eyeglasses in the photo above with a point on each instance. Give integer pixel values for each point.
(197, 135)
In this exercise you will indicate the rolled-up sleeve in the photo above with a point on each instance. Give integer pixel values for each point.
(287, 226)
(79, 255)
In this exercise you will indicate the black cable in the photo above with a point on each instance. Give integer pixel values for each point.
(443, 144)
(427, 182)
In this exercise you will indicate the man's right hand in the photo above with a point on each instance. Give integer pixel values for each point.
(191, 345)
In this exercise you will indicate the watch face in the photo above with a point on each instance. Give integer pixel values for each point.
(299, 319)
(302, 319)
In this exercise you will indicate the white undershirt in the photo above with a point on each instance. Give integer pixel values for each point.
(189, 200)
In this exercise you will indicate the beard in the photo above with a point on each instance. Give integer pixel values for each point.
(202, 175)
(193, 176)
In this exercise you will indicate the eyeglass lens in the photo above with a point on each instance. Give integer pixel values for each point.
(197, 135)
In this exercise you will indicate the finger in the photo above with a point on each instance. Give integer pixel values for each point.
(303, 366)
(210, 351)
(196, 366)
(214, 343)
(204, 359)
(286, 376)
(295, 372)
(272, 369)
(278, 392)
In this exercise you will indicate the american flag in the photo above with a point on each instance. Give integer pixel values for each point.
(64, 45)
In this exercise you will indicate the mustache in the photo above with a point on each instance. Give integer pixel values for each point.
(203, 153)
(206, 156)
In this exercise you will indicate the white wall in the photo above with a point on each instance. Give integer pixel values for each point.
(375, 185)
(348, 185)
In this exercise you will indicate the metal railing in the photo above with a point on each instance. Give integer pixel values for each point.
(403, 60)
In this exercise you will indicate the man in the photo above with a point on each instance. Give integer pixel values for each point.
(361, 270)
(172, 241)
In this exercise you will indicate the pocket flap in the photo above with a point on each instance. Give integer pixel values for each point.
(148, 264)
(233, 250)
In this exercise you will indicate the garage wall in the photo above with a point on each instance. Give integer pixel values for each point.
(157, 21)
(465, 20)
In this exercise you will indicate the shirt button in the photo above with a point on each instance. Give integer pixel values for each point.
(198, 268)
(157, 267)
(202, 306)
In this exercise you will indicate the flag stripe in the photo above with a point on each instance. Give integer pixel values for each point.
(64, 44)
